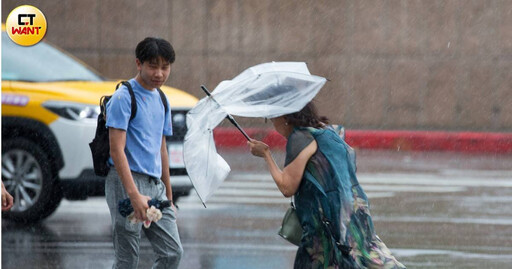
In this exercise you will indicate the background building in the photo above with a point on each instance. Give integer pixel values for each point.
(393, 64)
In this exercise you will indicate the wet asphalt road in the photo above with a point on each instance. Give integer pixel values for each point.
(433, 210)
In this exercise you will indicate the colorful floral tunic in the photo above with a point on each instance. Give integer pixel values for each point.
(332, 207)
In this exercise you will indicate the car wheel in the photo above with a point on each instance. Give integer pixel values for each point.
(27, 176)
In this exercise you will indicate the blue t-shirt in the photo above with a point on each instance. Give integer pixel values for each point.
(144, 132)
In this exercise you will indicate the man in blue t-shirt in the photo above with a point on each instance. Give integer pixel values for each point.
(139, 153)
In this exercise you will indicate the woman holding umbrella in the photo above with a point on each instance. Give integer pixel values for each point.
(331, 206)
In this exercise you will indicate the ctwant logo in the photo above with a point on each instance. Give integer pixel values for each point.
(26, 25)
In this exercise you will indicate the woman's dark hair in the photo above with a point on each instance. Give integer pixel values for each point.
(151, 48)
(307, 117)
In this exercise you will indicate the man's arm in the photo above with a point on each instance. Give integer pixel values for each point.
(117, 139)
(166, 178)
(165, 169)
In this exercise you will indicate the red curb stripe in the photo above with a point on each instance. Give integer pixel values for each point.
(232, 138)
(469, 142)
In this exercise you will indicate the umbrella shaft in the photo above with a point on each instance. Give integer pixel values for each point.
(229, 117)
(233, 121)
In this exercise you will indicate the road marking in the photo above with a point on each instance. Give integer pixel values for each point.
(479, 173)
(242, 246)
(223, 199)
(431, 180)
(408, 188)
(259, 188)
(62, 247)
(469, 220)
(409, 179)
(251, 184)
(254, 188)
(247, 192)
(106, 248)
(441, 252)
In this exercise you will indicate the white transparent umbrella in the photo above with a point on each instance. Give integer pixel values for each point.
(265, 90)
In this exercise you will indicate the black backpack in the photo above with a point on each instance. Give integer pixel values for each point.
(100, 146)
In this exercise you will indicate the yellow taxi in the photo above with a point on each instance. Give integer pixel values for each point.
(49, 112)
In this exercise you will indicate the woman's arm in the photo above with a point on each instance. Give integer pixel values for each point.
(287, 180)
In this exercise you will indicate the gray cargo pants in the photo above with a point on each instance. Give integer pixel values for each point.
(163, 235)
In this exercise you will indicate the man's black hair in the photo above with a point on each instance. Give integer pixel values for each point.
(151, 48)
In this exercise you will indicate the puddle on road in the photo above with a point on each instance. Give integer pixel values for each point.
(405, 253)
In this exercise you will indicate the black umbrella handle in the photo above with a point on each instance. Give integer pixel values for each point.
(229, 117)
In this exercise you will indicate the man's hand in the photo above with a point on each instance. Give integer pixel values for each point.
(140, 205)
(7, 200)
(173, 207)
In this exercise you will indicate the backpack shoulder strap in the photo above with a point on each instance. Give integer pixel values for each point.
(132, 95)
(164, 99)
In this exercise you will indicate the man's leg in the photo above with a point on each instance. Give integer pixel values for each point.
(164, 237)
(126, 236)
(126, 247)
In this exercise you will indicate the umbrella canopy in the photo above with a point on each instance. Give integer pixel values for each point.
(265, 90)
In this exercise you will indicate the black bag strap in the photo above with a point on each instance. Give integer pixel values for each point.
(330, 231)
(132, 95)
(164, 99)
(134, 103)
(103, 103)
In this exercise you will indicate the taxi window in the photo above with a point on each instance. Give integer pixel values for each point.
(41, 63)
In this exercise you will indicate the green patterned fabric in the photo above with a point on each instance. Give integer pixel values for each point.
(329, 191)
